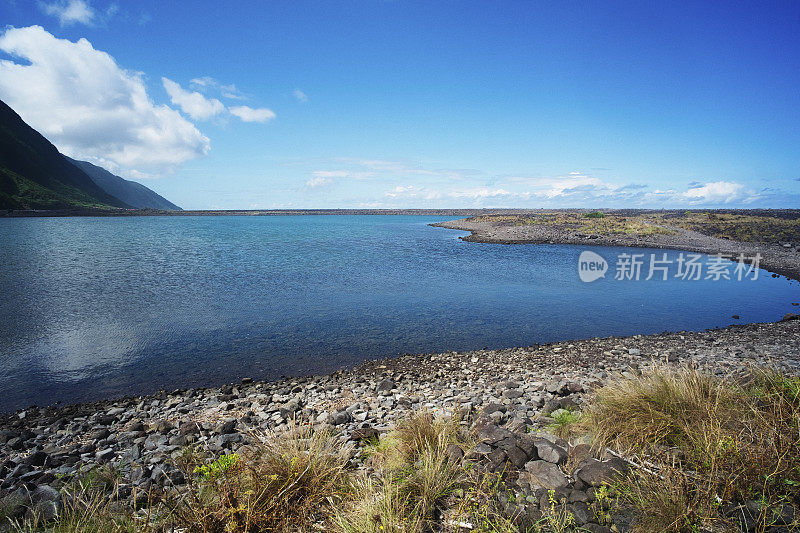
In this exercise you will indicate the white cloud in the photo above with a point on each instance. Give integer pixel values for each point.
(248, 114)
(318, 181)
(209, 84)
(473, 194)
(716, 192)
(70, 11)
(90, 108)
(193, 104)
(327, 177)
(300, 95)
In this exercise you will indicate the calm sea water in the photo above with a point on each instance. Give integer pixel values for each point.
(99, 307)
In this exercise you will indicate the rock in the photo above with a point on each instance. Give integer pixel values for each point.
(784, 514)
(494, 407)
(553, 387)
(154, 441)
(386, 385)
(512, 394)
(552, 453)
(493, 433)
(224, 441)
(46, 502)
(543, 474)
(578, 496)
(100, 434)
(580, 511)
(597, 528)
(365, 434)
(37, 458)
(790, 316)
(104, 456)
(14, 504)
(595, 473)
(496, 458)
(518, 425)
(134, 453)
(226, 427)
(634, 351)
(340, 418)
(517, 456)
(575, 387)
(527, 443)
(454, 453)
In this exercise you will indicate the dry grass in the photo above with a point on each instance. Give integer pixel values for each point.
(286, 483)
(608, 224)
(90, 504)
(708, 442)
(415, 477)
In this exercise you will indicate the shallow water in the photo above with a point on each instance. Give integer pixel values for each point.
(98, 307)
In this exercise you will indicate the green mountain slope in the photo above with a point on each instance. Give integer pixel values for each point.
(132, 193)
(34, 175)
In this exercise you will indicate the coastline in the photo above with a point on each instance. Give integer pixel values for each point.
(42, 445)
(775, 258)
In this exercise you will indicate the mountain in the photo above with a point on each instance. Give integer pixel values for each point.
(132, 193)
(34, 175)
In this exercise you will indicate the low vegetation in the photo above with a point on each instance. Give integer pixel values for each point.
(744, 227)
(709, 453)
(713, 451)
(766, 226)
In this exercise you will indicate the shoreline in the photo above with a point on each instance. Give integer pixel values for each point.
(775, 258)
(460, 212)
(41, 444)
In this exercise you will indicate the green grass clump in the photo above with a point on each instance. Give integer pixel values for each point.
(564, 420)
(595, 214)
(213, 470)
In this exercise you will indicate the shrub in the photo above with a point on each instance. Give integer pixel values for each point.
(595, 214)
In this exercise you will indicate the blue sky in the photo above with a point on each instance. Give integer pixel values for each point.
(418, 104)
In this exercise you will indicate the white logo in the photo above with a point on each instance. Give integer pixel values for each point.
(591, 266)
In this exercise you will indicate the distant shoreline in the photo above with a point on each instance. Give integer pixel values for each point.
(253, 212)
(779, 258)
(460, 212)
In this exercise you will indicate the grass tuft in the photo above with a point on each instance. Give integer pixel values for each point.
(287, 482)
(709, 444)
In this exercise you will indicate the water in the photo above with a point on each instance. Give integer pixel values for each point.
(100, 307)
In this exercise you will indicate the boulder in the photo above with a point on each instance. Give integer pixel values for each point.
(542, 474)
(386, 385)
(595, 473)
(550, 452)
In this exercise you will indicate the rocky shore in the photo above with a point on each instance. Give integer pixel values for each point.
(782, 258)
(509, 396)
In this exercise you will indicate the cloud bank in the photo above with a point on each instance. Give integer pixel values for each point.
(409, 184)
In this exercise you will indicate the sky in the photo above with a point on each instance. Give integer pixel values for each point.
(418, 104)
